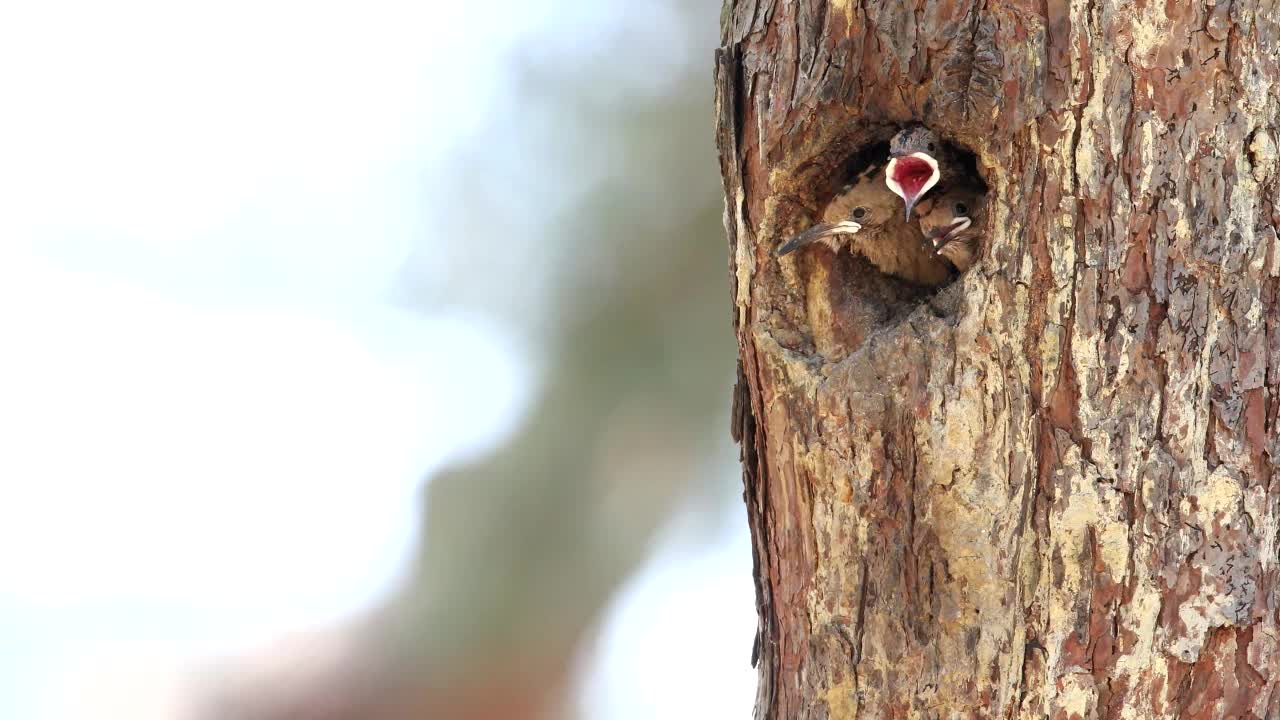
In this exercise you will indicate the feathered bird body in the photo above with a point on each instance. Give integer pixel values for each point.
(866, 217)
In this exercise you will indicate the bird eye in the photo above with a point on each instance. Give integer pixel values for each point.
(858, 213)
(962, 209)
(932, 147)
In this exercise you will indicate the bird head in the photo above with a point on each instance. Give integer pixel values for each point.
(864, 207)
(953, 215)
(913, 164)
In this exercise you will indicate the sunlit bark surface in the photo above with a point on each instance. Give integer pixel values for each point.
(1047, 491)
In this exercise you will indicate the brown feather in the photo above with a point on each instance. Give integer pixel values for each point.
(893, 245)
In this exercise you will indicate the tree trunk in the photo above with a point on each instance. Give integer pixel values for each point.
(1047, 491)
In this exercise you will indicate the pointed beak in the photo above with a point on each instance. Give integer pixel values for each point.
(790, 246)
(911, 203)
(824, 231)
(943, 235)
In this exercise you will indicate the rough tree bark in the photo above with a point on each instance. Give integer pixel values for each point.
(1047, 492)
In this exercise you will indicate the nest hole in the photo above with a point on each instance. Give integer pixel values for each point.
(858, 282)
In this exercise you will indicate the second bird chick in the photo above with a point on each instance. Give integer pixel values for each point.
(951, 224)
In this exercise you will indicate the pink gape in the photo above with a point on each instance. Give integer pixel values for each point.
(910, 177)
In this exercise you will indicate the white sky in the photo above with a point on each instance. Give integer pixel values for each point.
(677, 642)
(214, 419)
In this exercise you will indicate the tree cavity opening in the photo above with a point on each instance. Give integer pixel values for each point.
(900, 218)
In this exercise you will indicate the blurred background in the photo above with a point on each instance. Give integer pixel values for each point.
(366, 360)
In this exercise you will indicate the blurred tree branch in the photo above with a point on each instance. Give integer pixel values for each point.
(523, 549)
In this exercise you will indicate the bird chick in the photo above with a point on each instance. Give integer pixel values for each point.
(918, 160)
(951, 224)
(865, 216)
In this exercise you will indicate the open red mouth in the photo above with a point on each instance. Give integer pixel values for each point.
(912, 175)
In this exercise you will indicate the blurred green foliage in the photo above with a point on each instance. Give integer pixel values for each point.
(588, 212)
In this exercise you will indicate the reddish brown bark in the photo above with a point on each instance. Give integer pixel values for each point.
(1047, 491)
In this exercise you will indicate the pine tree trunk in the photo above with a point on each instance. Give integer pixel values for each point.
(1048, 491)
